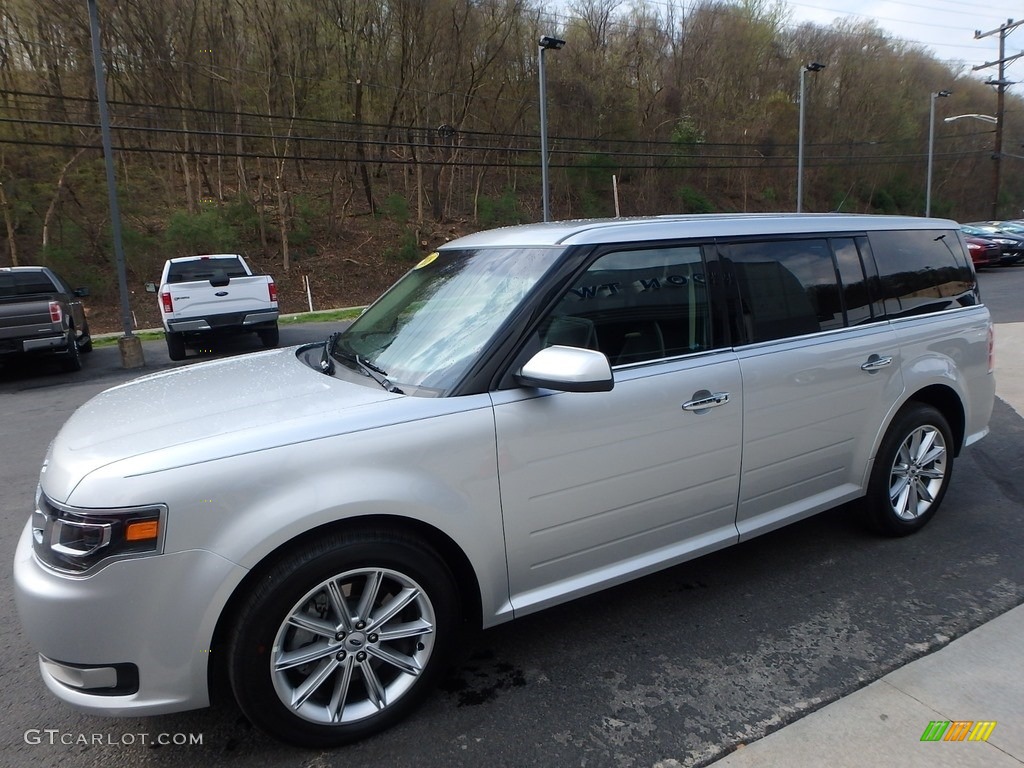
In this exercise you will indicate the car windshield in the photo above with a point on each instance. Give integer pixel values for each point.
(427, 330)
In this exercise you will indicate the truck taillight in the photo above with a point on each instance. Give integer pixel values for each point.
(165, 297)
(56, 314)
(273, 290)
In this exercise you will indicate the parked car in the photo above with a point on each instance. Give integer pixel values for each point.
(1012, 244)
(41, 315)
(984, 252)
(529, 415)
(218, 294)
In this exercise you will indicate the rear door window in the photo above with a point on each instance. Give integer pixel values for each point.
(787, 288)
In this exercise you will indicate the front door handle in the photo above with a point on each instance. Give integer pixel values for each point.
(876, 363)
(703, 400)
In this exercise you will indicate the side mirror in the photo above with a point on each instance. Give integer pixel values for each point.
(151, 288)
(81, 292)
(568, 369)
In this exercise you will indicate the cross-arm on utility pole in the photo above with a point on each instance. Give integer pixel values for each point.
(1001, 83)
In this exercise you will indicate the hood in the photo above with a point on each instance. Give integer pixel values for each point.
(230, 406)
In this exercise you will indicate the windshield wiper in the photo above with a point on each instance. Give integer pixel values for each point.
(376, 373)
(369, 368)
(326, 358)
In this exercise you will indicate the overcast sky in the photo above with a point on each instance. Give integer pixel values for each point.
(945, 26)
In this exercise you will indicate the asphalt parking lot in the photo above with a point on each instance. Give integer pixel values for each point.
(671, 670)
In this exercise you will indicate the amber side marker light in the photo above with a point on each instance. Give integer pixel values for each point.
(142, 531)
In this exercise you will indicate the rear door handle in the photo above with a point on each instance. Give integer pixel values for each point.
(704, 400)
(876, 363)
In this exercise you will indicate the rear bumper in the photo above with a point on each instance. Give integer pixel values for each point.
(235, 320)
(27, 346)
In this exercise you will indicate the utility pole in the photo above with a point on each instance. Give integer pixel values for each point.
(1000, 83)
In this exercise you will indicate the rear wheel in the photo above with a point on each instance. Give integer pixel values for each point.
(911, 472)
(270, 337)
(344, 638)
(71, 360)
(175, 345)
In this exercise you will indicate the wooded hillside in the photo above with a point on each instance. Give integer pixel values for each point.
(340, 139)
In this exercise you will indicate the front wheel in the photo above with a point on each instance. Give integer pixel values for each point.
(911, 472)
(342, 639)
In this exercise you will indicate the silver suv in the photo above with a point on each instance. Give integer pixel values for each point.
(529, 415)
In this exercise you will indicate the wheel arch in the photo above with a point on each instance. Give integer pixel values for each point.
(452, 555)
(947, 402)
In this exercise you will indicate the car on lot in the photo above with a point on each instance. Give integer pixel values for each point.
(41, 315)
(529, 415)
(984, 252)
(1011, 244)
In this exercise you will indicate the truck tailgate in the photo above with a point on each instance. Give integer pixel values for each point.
(200, 299)
(25, 318)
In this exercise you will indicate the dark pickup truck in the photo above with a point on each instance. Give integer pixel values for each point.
(42, 314)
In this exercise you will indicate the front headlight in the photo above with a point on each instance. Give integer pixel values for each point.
(78, 541)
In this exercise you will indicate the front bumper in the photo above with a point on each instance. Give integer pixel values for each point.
(151, 616)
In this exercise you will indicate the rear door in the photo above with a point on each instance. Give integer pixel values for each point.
(600, 487)
(821, 372)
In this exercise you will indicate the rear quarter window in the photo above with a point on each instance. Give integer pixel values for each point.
(922, 271)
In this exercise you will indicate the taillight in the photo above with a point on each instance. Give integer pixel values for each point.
(273, 290)
(165, 297)
(56, 313)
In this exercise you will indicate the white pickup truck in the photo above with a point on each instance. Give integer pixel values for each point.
(201, 296)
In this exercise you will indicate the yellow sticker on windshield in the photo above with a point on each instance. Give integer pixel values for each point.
(429, 260)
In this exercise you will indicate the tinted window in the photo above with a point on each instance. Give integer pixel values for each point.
(635, 306)
(204, 269)
(787, 288)
(24, 284)
(922, 271)
(856, 296)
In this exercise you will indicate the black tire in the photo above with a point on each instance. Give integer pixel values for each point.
(71, 360)
(342, 646)
(911, 471)
(175, 345)
(270, 337)
(85, 344)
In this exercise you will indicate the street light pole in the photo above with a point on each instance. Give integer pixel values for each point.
(544, 44)
(931, 149)
(812, 67)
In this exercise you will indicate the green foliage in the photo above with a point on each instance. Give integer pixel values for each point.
(686, 132)
(396, 208)
(500, 211)
(407, 249)
(242, 216)
(205, 232)
(70, 263)
(692, 201)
